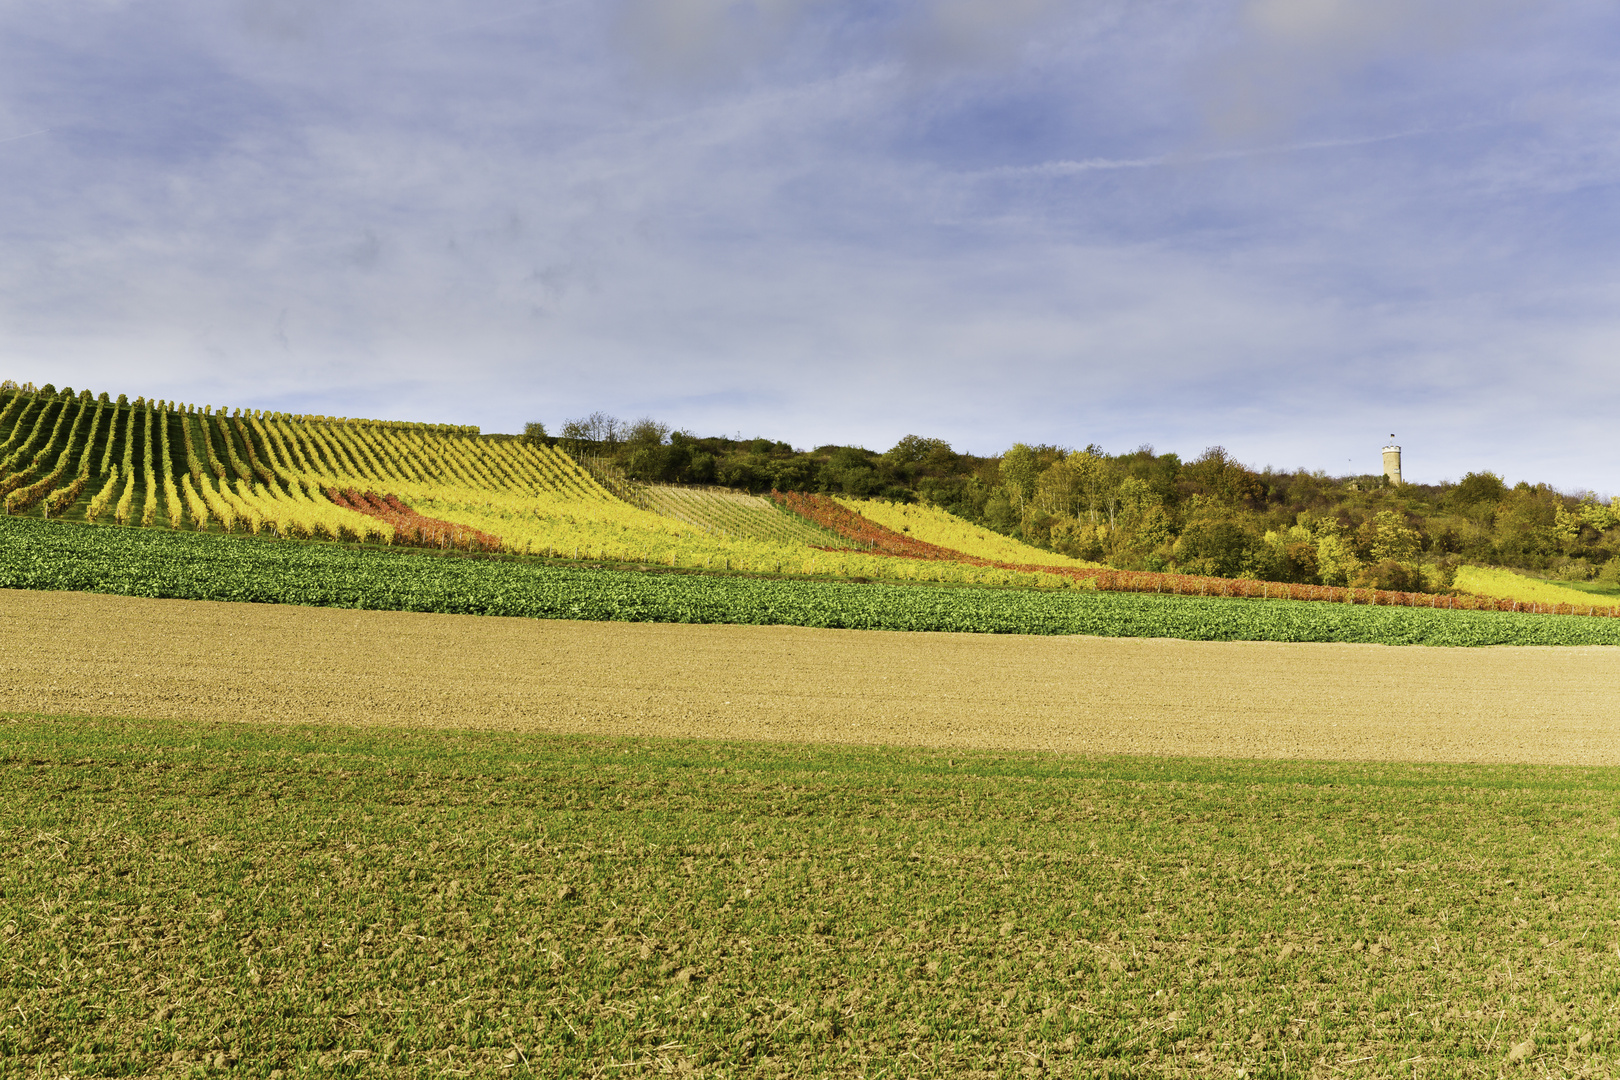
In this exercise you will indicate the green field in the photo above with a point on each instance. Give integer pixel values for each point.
(1593, 588)
(38, 554)
(183, 898)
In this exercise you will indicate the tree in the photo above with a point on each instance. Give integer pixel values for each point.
(534, 434)
(1059, 490)
(1142, 524)
(914, 450)
(599, 428)
(1215, 547)
(1478, 488)
(1526, 523)
(598, 431)
(644, 455)
(1335, 559)
(1099, 482)
(1596, 514)
(1217, 474)
(646, 432)
(1393, 540)
(849, 470)
(1019, 470)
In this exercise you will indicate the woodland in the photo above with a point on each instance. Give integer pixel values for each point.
(1145, 510)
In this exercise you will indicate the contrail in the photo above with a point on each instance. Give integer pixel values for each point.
(1068, 168)
(25, 135)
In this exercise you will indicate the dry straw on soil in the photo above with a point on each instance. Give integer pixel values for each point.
(73, 653)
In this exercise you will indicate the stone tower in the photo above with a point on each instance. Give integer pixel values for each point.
(1392, 463)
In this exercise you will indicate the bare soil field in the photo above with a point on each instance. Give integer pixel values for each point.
(73, 653)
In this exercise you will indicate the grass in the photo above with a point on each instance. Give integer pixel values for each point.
(1600, 589)
(1510, 586)
(258, 901)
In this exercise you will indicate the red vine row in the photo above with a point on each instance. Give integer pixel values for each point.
(410, 528)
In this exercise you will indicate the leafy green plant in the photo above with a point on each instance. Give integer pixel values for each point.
(37, 554)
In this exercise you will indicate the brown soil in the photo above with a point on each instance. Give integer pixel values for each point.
(74, 653)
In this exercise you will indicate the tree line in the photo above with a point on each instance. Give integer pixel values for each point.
(1144, 510)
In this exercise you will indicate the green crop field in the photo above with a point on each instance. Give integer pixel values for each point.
(38, 554)
(263, 901)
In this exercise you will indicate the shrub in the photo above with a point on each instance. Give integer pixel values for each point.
(1391, 576)
(1479, 487)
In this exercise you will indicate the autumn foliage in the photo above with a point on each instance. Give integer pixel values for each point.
(410, 528)
(866, 534)
(877, 540)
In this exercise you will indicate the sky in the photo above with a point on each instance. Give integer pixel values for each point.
(1291, 228)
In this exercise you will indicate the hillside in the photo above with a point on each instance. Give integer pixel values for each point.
(1144, 510)
(161, 465)
(1139, 522)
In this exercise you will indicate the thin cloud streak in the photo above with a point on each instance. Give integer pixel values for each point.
(843, 231)
(1070, 168)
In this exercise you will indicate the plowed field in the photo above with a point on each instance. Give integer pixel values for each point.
(76, 653)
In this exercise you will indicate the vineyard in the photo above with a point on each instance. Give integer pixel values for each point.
(160, 465)
(748, 848)
(737, 514)
(840, 515)
(1510, 586)
(941, 530)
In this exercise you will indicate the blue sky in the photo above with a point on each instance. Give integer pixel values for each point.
(1289, 227)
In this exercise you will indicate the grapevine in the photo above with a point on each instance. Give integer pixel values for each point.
(149, 510)
(98, 503)
(21, 500)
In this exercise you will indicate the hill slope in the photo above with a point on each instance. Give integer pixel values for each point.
(156, 464)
